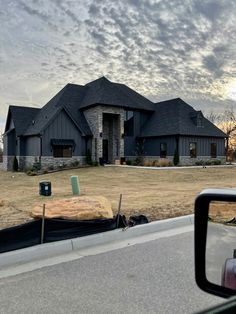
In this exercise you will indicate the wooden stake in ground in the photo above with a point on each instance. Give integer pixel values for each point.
(42, 227)
(118, 213)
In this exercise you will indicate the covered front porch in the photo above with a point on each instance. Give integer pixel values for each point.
(111, 138)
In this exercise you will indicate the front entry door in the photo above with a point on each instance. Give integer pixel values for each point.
(105, 151)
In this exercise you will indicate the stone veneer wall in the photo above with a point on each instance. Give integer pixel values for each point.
(3, 164)
(47, 161)
(7, 163)
(187, 161)
(94, 116)
(184, 160)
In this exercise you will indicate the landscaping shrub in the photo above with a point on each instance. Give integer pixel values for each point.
(208, 162)
(200, 163)
(75, 163)
(176, 158)
(216, 162)
(155, 163)
(89, 157)
(128, 162)
(164, 163)
(147, 163)
(139, 161)
(140, 153)
(15, 165)
(37, 166)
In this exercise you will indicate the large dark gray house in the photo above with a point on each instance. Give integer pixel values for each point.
(108, 119)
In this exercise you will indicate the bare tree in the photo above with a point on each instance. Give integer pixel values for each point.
(214, 117)
(227, 123)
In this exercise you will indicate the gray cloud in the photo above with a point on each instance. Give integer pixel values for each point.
(214, 65)
(162, 49)
(210, 9)
(36, 12)
(69, 13)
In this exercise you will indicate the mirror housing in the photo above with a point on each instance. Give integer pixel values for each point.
(201, 209)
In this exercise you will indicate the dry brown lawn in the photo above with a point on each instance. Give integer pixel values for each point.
(156, 193)
(222, 212)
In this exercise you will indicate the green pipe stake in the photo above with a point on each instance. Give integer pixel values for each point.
(75, 185)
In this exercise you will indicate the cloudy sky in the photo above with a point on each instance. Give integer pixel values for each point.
(162, 49)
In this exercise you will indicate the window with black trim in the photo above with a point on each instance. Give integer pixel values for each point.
(193, 149)
(129, 123)
(213, 150)
(62, 151)
(163, 150)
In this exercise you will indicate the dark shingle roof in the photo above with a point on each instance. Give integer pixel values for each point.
(169, 117)
(173, 117)
(22, 118)
(74, 97)
(68, 99)
(102, 91)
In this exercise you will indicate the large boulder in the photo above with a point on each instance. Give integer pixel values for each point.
(77, 208)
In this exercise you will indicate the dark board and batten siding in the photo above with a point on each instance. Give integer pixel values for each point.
(32, 146)
(152, 145)
(62, 128)
(203, 145)
(10, 143)
(130, 141)
(129, 146)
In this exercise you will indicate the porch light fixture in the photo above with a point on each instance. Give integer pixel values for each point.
(100, 134)
(122, 135)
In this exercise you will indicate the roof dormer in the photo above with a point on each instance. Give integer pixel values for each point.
(197, 118)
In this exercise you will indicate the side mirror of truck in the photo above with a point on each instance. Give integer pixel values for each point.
(215, 241)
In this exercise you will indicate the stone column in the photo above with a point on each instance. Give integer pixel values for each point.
(94, 119)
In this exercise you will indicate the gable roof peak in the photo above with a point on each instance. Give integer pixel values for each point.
(101, 80)
(178, 102)
(22, 117)
(73, 85)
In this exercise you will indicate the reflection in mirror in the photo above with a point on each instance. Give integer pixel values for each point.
(221, 244)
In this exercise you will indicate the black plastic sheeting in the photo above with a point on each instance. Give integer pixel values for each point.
(232, 221)
(29, 234)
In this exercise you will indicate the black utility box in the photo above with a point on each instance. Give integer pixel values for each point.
(45, 188)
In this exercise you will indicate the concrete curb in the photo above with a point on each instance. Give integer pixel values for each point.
(172, 167)
(49, 250)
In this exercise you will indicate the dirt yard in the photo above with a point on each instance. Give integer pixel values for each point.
(156, 193)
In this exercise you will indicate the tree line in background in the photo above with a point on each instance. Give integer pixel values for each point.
(226, 121)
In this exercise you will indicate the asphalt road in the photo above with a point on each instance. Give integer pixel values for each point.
(152, 277)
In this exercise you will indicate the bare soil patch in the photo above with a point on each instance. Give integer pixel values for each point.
(157, 194)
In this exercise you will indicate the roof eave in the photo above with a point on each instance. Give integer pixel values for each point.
(119, 106)
(181, 134)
